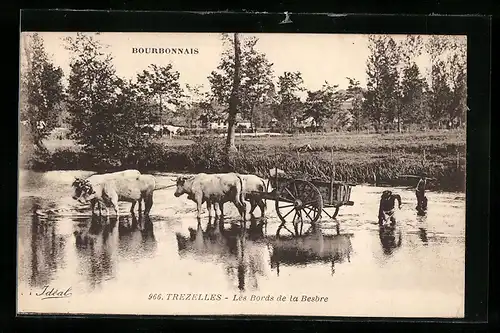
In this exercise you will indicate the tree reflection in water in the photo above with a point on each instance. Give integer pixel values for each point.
(240, 249)
(47, 248)
(311, 248)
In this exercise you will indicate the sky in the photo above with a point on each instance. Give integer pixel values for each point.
(319, 57)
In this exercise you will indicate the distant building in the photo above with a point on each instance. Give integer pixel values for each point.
(244, 124)
(305, 123)
(217, 124)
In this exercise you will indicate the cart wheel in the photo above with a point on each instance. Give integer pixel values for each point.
(298, 201)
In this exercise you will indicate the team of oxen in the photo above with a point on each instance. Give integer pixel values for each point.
(213, 189)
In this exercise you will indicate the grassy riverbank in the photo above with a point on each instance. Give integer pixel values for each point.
(359, 158)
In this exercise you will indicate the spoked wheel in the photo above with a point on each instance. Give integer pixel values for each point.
(298, 202)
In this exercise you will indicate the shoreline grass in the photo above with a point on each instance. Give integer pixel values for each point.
(358, 158)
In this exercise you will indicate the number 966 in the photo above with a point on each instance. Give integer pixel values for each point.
(155, 297)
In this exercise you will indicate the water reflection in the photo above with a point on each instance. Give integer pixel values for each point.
(99, 239)
(57, 248)
(422, 232)
(312, 248)
(243, 250)
(47, 248)
(95, 242)
(422, 229)
(136, 236)
(239, 248)
(390, 238)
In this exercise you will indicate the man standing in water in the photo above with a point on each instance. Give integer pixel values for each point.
(387, 208)
(421, 198)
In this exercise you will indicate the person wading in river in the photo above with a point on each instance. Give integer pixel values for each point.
(387, 209)
(421, 198)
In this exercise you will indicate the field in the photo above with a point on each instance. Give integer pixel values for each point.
(360, 158)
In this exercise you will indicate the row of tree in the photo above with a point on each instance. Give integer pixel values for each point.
(398, 92)
(106, 112)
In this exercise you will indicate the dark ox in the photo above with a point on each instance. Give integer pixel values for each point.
(128, 186)
(213, 188)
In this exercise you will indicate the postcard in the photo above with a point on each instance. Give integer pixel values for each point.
(242, 174)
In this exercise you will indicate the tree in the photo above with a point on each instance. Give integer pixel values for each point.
(323, 104)
(412, 109)
(263, 113)
(440, 99)
(390, 82)
(411, 83)
(160, 83)
(382, 96)
(107, 113)
(197, 105)
(355, 95)
(458, 75)
(212, 111)
(288, 105)
(411, 48)
(448, 74)
(458, 107)
(374, 95)
(130, 113)
(222, 79)
(234, 98)
(413, 87)
(92, 92)
(257, 81)
(256, 74)
(41, 90)
(189, 106)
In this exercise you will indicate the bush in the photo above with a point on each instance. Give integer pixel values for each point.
(37, 159)
(163, 158)
(66, 159)
(206, 154)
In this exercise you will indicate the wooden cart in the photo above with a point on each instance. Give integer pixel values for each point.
(300, 200)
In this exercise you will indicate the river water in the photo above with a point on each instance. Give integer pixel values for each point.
(120, 265)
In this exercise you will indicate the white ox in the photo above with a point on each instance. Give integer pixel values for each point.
(253, 188)
(78, 184)
(213, 188)
(129, 186)
(173, 130)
